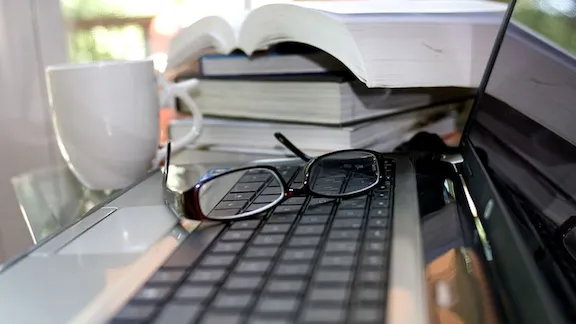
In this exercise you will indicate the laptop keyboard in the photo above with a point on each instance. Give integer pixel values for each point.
(310, 260)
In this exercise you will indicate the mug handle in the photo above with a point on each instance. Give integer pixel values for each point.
(180, 90)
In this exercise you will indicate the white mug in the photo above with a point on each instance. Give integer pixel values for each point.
(106, 119)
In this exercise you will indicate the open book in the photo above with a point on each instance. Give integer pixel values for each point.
(396, 43)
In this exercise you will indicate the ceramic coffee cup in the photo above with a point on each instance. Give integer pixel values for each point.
(106, 119)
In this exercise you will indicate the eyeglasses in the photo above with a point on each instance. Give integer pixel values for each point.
(226, 196)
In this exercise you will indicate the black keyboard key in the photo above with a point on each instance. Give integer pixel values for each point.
(267, 239)
(261, 252)
(371, 277)
(238, 196)
(353, 204)
(178, 314)
(210, 276)
(245, 224)
(287, 286)
(254, 206)
(217, 260)
(136, 313)
(323, 209)
(282, 218)
(382, 195)
(235, 301)
(266, 199)
(228, 247)
(236, 235)
(219, 318)
(350, 213)
(289, 269)
(323, 315)
(295, 201)
(379, 203)
(344, 234)
(379, 212)
(152, 294)
(314, 219)
(269, 319)
(333, 295)
(304, 241)
(362, 314)
(355, 223)
(288, 173)
(278, 305)
(198, 293)
(309, 230)
(347, 247)
(275, 228)
(337, 261)
(333, 276)
(262, 177)
(298, 255)
(376, 234)
(223, 212)
(378, 223)
(166, 277)
(370, 295)
(287, 209)
(247, 187)
(321, 201)
(256, 267)
(231, 204)
(236, 282)
(374, 247)
(272, 191)
(374, 261)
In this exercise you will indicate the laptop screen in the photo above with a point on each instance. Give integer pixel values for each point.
(525, 125)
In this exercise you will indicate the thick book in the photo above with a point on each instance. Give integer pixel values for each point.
(383, 43)
(326, 100)
(243, 133)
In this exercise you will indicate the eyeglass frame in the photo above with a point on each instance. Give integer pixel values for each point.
(182, 208)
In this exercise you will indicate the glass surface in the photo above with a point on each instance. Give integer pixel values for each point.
(524, 129)
(236, 194)
(328, 173)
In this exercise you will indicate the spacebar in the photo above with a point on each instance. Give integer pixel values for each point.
(193, 246)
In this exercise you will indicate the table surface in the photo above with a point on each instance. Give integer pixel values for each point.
(51, 199)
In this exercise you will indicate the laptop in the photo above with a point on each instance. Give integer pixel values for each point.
(365, 260)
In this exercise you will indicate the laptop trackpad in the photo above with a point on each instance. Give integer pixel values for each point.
(127, 230)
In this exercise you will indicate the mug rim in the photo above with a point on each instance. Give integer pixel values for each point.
(70, 66)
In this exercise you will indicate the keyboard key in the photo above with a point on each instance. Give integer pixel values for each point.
(287, 209)
(333, 276)
(375, 261)
(374, 247)
(324, 315)
(363, 314)
(218, 260)
(231, 204)
(152, 294)
(253, 207)
(340, 246)
(323, 209)
(277, 305)
(382, 195)
(380, 223)
(337, 261)
(236, 301)
(166, 277)
(226, 247)
(218, 318)
(211, 276)
(343, 234)
(269, 319)
(337, 295)
(238, 196)
(304, 241)
(282, 218)
(223, 212)
(266, 239)
(275, 228)
(261, 252)
(272, 191)
(178, 314)
(313, 219)
(355, 223)
(236, 235)
(277, 286)
(284, 269)
(252, 266)
(379, 212)
(376, 234)
(262, 177)
(288, 173)
(266, 199)
(245, 224)
(380, 203)
(370, 295)
(309, 230)
(298, 255)
(371, 276)
(247, 187)
(194, 292)
(235, 282)
(350, 213)
(319, 201)
(295, 201)
(135, 313)
(353, 204)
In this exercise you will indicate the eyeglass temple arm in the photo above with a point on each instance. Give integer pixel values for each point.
(282, 139)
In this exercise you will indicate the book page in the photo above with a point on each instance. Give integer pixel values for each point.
(354, 7)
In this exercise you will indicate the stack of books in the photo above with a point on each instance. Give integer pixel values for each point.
(334, 75)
